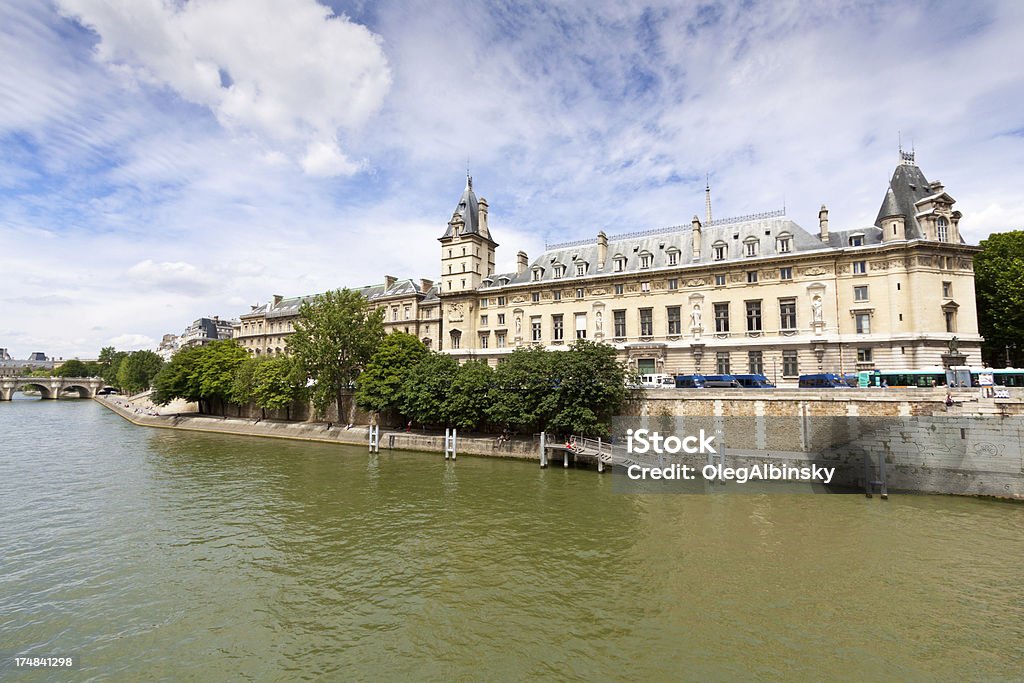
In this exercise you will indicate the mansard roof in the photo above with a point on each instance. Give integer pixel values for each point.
(289, 307)
(907, 187)
(468, 210)
(765, 228)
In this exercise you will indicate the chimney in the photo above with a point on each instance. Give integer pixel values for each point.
(216, 318)
(936, 187)
(823, 223)
(695, 222)
(522, 262)
(425, 285)
(389, 281)
(277, 299)
(482, 216)
(602, 249)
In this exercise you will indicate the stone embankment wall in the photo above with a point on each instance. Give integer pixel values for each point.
(520, 448)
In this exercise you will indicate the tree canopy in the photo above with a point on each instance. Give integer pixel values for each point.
(427, 386)
(137, 370)
(379, 387)
(203, 374)
(335, 337)
(999, 287)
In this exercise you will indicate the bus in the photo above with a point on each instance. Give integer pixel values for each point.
(754, 382)
(823, 380)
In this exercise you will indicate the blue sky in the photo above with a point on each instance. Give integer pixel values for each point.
(165, 160)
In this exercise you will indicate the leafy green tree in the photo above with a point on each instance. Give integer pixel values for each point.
(999, 287)
(424, 394)
(72, 368)
(591, 388)
(466, 407)
(335, 337)
(109, 363)
(178, 378)
(379, 387)
(243, 382)
(138, 369)
(523, 394)
(277, 383)
(214, 370)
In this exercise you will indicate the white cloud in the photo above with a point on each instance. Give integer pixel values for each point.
(132, 342)
(172, 277)
(286, 70)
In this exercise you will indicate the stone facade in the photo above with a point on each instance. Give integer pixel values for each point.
(756, 293)
(409, 307)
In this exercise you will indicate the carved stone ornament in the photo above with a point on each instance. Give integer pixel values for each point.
(816, 270)
(599, 291)
(699, 282)
(518, 299)
(455, 312)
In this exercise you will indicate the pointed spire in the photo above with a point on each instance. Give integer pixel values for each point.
(707, 199)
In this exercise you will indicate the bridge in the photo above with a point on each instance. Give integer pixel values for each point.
(51, 387)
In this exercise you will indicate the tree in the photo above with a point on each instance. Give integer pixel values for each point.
(999, 288)
(335, 337)
(523, 393)
(379, 387)
(72, 368)
(176, 379)
(277, 383)
(591, 388)
(424, 393)
(214, 370)
(138, 369)
(243, 382)
(109, 363)
(466, 406)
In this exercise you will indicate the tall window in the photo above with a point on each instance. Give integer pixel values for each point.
(484, 337)
(483, 321)
(753, 316)
(501, 301)
(755, 362)
(499, 340)
(722, 362)
(863, 323)
(646, 322)
(942, 229)
(645, 260)
(501, 318)
(751, 277)
(674, 324)
(751, 248)
(719, 281)
(720, 251)
(581, 325)
(484, 302)
(786, 273)
(785, 245)
(535, 297)
(722, 317)
(620, 264)
(860, 267)
(790, 367)
(787, 314)
(947, 290)
(673, 284)
(581, 268)
(557, 328)
(673, 258)
(535, 327)
(456, 339)
(620, 323)
(579, 292)
(860, 293)
(619, 289)
(950, 316)
(559, 271)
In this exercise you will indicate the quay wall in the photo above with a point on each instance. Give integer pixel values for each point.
(975, 447)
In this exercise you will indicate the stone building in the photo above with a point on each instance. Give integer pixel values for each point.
(408, 307)
(205, 330)
(757, 293)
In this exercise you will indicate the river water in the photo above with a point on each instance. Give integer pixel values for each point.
(159, 555)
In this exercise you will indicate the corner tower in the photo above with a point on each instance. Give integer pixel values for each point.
(467, 250)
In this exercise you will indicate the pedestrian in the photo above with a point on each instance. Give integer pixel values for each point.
(949, 399)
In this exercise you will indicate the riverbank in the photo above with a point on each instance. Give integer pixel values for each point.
(322, 432)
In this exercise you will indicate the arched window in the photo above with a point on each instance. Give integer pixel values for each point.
(720, 251)
(673, 256)
(646, 259)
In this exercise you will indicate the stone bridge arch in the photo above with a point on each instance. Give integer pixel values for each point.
(50, 387)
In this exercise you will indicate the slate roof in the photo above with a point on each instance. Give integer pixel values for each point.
(907, 187)
(289, 307)
(659, 243)
(467, 209)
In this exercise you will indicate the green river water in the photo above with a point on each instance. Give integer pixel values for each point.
(160, 555)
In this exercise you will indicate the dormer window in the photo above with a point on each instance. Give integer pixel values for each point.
(857, 240)
(645, 260)
(581, 268)
(942, 229)
(720, 251)
(620, 264)
(559, 271)
(784, 244)
(538, 273)
(673, 257)
(750, 247)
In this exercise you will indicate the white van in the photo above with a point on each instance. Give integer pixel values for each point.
(658, 381)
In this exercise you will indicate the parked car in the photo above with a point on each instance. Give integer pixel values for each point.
(689, 381)
(721, 382)
(657, 381)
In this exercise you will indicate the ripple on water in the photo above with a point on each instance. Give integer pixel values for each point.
(163, 555)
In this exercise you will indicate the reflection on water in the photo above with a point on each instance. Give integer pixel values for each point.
(153, 553)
